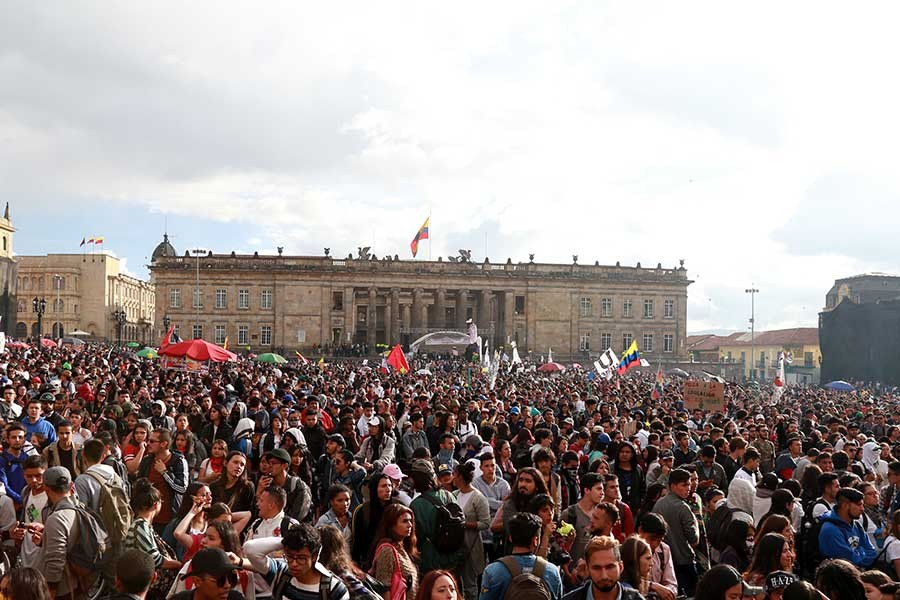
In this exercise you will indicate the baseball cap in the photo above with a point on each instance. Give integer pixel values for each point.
(664, 454)
(57, 478)
(420, 465)
(514, 410)
(210, 561)
(474, 440)
(444, 469)
(280, 454)
(48, 397)
(778, 580)
(393, 471)
(374, 422)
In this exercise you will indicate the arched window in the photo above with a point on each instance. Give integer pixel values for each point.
(58, 330)
(34, 330)
(21, 330)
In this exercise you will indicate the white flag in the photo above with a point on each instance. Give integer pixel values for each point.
(549, 355)
(607, 364)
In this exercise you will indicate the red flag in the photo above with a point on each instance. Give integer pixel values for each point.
(398, 360)
(167, 339)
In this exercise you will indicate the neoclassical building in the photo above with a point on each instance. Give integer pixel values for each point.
(282, 303)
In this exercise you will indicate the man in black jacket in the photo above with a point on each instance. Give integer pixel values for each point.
(604, 565)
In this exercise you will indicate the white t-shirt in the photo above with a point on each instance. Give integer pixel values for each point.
(893, 550)
(31, 554)
(463, 499)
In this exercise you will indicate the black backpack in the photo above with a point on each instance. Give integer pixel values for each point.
(882, 564)
(449, 525)
(718, 526)
(808, 548)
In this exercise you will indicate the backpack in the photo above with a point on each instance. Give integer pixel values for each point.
(286, 524)
(522, 458)
(882, 564)
(113, 508)
(809, 555)
(92, 548)
(718, 526)
(284, 577)
(525, 586)
(449, 526)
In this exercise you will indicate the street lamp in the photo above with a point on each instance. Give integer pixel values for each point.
(119, 317)
(198, 252)
(752, 291)
(40, 307)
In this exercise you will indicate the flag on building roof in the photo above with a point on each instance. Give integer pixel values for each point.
(90, 240)
(83, 240)
(422, 234)
(98, 240)
(631, 358)
(398, 360)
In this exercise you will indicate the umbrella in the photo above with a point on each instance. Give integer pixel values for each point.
(271, 357)
(16, 345)
(423, 372)
(72, 341)
(147, 353)
(577, 366)
(48, 343)
(678, 372)
(839, 386)
(198, 350)
(133, 345)
(79, 333)
(551, 367)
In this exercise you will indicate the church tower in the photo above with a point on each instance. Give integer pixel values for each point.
(6, 235)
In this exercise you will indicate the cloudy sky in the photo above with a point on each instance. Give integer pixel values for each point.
(757, 144)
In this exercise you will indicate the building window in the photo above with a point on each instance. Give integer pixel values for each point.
(244, 299)
(265, 300)
(197, 331)
(221, 299)
(584, 342)
(647, 346)
(520, 305)
(669, 343)
(59, 282)
(626, 308)
(669, 309)
(59, 306)
(337, 301)
(605, 340)
(243, 335)
(198, 298)
(807, 359)
(627, 338)
(265, 335)
(606, 307)
(219, 335)
(585, 306)
(648, 309)
(175, 298)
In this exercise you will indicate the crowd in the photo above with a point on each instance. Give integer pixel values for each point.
(337, 481)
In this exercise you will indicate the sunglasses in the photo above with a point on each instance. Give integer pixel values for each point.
(229, 578)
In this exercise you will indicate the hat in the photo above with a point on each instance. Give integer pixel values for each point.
(58, 478)
(374, 422)
(569, 421)
(731, 577)
(444, 469)
(229, 387)
(47, 397)
(664, 454)
(393, 471)
(514, 410)
(420, 465)
(769, 481)
(210, 561)
(779, 579)
(114, 408)
(468, 321)
(474, 440)
(35, 380)
(281, 454)
(337, 438)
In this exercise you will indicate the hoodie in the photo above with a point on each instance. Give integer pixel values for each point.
(840, 539)
(242, 434)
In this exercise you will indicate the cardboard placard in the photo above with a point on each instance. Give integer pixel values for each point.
(708, 396)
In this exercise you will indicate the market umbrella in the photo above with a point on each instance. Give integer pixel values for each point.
(133, 345)
(678, 372)
(16, 345)
(551, 367)
(423, 372)
(147, 353)
(577, 366)
(198, 350)
(271, 357)
(48, 343)
(79, 333)
(839, 386)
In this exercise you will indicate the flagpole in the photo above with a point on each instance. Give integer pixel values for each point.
(429, 231)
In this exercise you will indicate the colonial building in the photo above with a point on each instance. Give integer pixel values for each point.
(82, 292)
(8, 268)
(297, 302)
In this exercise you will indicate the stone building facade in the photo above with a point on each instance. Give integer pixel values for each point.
(8, 269)
(282, 303)
(82, 291)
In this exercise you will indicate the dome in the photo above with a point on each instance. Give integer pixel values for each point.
(164, 249)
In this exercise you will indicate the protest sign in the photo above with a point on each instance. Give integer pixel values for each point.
(708, 396)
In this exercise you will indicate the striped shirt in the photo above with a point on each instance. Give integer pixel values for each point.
(330, 587)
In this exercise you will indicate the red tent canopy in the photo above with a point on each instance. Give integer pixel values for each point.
(551, 367)
(48, 343)
(198, 350)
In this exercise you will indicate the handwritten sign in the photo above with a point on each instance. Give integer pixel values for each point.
(708, 396)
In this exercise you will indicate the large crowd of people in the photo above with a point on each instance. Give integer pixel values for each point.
(344, 480)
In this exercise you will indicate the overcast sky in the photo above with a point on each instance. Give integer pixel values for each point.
(758, 144)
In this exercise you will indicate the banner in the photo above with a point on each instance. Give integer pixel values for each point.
(708, 396)
(180, 363)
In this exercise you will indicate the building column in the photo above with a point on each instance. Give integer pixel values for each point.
(509, 310)
(349, 316)
(417, 304)
(440, 308)
(395, 316)
(462, 298)
(370, 319)
(484, 315)
(406, 318)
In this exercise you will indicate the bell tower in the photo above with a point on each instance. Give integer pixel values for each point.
(6, 234)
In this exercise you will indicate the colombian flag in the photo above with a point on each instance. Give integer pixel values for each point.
(422, 234)
(631, 359)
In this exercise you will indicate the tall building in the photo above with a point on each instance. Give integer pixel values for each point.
(283, 303)
(83, 292)
(867, 288)
(8, 268)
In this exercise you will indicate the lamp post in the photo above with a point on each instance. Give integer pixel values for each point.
(752, 291)
(197, 252)
(166, 322)
(57, 283)
(39, 305)
(119, 316)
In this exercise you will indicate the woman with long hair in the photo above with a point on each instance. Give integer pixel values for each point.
(219, 534)
(654, 492)
(773, 552)
(211, 468)
(394, 560)
(632, 484)
(135, 446)
(232, 486)
(301, 466)
(217, 428)
(776, 524)
(477, 514)
(146, 502)
(722, 582)
(191, 520)
(335, 556)
(782, 504)
(503, 452)
(367, 516)
(521, 448)
(637, 560)
(438, 585)
(24, 583)
(183, 442)
(891, 547)
(739, 539)
(809, 481)
(271, 440)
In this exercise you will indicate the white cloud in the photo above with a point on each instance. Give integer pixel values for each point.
(703, 132)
